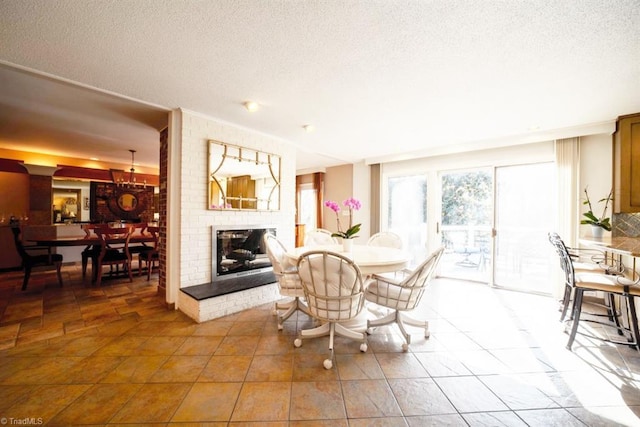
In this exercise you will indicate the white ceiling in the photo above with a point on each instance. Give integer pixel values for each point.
(378, 79)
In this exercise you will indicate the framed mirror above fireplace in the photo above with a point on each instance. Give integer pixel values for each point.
(243, 179)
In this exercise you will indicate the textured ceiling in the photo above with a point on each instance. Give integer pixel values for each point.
(378, 79)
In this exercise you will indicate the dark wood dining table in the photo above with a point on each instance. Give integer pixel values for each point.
(87, 241)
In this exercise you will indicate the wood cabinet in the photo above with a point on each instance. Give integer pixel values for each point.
(626, 164)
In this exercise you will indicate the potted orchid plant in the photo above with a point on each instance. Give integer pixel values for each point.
(353, 229)
(598, 223)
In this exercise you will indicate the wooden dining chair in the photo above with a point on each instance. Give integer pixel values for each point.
(31, 259)
(91, 251)
(151, 255)
(114, 251)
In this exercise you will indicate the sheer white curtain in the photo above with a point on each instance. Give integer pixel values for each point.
(567, 153)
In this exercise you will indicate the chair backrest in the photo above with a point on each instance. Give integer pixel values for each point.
(89, 229)
(318, 237)
(417, 281)
(385, 239)
(17, 239)
(332, 284)
(566, 264)
(276, 253)
(114, 238)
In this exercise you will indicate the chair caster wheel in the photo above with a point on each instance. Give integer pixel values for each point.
(280, 327)
(297, 342)
(363, 347)
(328, 364)
(369, 331)
(427, 334)
(405, 347)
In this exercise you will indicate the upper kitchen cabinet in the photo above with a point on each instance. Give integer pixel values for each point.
(626, 164)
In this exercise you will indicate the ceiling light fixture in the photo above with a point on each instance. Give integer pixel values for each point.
(131, 182)
(251, 106)
(309, 128)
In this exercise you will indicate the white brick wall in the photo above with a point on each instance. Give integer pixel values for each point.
(196, 222)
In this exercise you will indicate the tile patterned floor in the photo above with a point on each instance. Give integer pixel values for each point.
(114, 355)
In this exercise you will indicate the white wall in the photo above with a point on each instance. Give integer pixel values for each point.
(596, 173)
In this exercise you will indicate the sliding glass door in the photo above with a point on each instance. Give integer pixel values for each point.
(493, 222)
(465, 224)
(525, 211)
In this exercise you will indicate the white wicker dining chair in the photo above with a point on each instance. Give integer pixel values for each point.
(288, 280)
(401, 295)
(387, 239)
(319, 237)
(334, 291)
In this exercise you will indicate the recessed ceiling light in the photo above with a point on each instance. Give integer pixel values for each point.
(95, 159)
(309, 128)
(251, 106)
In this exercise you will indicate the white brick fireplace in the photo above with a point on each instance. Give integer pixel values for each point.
(196, 221)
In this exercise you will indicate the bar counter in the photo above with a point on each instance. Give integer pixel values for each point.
(626, 249)
(629, 246)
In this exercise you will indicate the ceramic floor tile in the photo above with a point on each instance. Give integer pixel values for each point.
(517, 394)
(452, 420)
(494, 419)
(122, 346)
(468, 394)
(40, 370)
(263, 401)
(152, 403)
(88, 370)
(309, 367)
(208, 402)
(369, 399)
(179, 369)
(199, 346)
(378, 422)
(275, 344)
(43, 402)
(135, 369)
(606, 416)
(549, 418)
(317, 401)
(155, 366)
(410, 395)
(97, 405)
(360, 366)
(238, 346)
(442, 364)
(225, 369)
(401, 365)
(271, 368)
(157, 346)
(219, 328)
(246, 328)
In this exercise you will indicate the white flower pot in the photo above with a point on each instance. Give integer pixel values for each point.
(347, 245)
(597, 232)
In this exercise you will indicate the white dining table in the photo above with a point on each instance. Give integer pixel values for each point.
(370, 259)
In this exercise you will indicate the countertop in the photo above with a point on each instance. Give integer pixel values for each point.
(619, 245)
